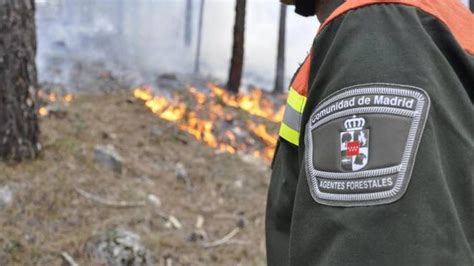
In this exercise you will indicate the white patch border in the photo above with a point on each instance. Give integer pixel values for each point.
(404, 169)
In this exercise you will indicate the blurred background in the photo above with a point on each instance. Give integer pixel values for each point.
(145, 38)
(149, 133)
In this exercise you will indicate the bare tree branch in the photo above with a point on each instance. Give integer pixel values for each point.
(107, 202)
(69, 259)
(224, 240)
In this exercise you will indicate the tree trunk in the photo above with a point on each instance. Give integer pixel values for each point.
(198, 49)
(120, 19)
(19, 129)
(237, 61)
(280, 66)
(188, 22)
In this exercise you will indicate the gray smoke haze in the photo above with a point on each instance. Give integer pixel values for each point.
(143, 38)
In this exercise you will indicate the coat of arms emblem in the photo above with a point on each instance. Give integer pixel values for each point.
(354, 144)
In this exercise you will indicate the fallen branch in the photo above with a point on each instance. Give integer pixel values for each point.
(169, 262)
(162, 214)
(69, 259)
(125, 204)
(239, 242)
(175, 222)
(109, 203)
(226, 216)
(224, 240)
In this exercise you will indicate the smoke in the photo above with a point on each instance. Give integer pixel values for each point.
(143, 38)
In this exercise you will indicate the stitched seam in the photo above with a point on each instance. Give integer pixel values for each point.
(361, 174)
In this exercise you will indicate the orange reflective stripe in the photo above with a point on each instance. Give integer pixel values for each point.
(300, 83)
(452, 13)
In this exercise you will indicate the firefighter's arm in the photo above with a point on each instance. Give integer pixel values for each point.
(386, 131)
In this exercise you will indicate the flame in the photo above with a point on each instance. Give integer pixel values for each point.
(260, 131)
(68, 98)
(174, 112)
(46, 98)
(209, 111)
(43, 111)
(144, 93)
(200, 96)
(52, 97)
(253, 103)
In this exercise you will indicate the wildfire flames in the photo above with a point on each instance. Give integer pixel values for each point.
(211, 119)
(47, 100)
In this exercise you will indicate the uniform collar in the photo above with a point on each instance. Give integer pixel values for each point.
(327, 9)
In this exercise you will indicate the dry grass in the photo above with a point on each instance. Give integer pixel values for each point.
(49, 217)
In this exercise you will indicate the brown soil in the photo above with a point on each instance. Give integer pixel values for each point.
(48, 216)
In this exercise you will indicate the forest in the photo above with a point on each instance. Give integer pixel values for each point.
(112, 161)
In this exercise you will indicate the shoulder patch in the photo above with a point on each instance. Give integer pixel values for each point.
(361, 144)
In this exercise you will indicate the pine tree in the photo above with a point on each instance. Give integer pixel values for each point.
(188, 17)
(237, 61)
(19, 129)
(198, 49)
(280, 66)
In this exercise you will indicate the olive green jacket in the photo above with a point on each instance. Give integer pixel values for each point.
(431, 222)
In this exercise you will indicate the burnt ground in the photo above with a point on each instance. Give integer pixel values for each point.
(47, 216)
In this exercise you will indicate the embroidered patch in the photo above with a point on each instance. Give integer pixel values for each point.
(361, 144)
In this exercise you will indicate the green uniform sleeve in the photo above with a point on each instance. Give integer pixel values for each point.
(430, 222)
(280, 202)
